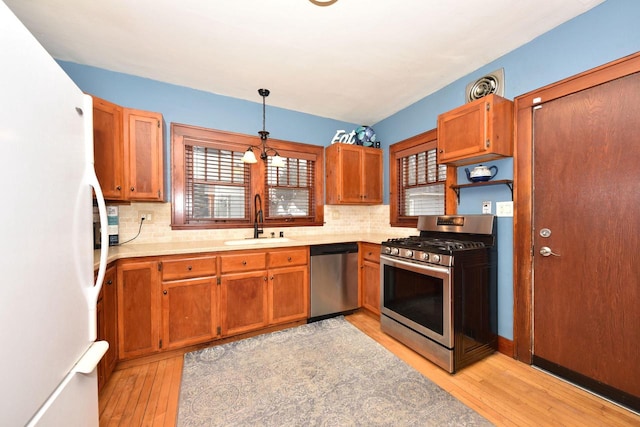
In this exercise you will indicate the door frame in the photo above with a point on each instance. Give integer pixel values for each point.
(523, 189)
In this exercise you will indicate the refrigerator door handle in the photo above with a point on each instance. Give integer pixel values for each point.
(91, 357)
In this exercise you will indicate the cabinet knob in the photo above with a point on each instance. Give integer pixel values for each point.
(133, 189)
(119, 188)
(244, 262)
(109, 282)
(289, 259)
(189, 268)
(271, 277)
(265, 278)
(164, 292)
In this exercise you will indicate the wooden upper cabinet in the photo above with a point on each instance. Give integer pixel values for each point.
(476, 132)
(353, 175)
(108, 148)
(128, 152)
(143, 143)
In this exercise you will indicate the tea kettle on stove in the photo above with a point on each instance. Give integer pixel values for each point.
(481, 173)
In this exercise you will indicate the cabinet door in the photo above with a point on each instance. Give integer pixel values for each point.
(110, 319)
(189, 312)
(372, 176)
(243, 302)
(371, 286)
(288, 294)
(462, 132)
(138, 308)
(108, 150)
(351, 167)
(143, 146)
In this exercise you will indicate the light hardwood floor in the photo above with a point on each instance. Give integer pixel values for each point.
(506, 392)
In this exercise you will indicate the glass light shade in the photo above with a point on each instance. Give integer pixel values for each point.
(249, 157)
(277, 161)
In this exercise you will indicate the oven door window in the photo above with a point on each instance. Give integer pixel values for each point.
(420, 298)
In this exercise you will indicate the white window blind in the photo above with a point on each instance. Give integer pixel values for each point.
(421, 181)
(290, 189)
(218, 185)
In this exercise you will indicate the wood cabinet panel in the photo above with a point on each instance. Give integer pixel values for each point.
(288, 294)
(243, 302)
(108, 148)
(370, 276)
(479, 131)
(108, 325)
(288, 257)
(185, 268)
(138, 308)
(189, 312)
(353, 175)
(144, 147)
(246, 261)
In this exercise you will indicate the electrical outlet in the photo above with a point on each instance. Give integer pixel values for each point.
(486, 207)
(504, 208)
(147, 216)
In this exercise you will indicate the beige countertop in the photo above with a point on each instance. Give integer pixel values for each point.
(197, 246)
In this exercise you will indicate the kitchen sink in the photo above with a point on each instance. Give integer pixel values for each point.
(260, 240)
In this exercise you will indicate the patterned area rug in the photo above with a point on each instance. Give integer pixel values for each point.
(326, 373)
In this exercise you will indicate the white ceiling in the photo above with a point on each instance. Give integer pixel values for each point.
(358, 60)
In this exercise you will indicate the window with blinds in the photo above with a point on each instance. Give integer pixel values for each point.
(417, 182)
(290, 189)
(212, 188)
(421, 184)
(217, 185)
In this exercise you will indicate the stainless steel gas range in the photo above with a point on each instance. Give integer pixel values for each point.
(439, 289)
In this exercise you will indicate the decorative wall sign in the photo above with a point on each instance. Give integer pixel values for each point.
(363, 135)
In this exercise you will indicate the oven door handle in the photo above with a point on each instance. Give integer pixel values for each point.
(442, 270)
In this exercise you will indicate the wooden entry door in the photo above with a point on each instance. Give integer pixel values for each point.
(586, 236)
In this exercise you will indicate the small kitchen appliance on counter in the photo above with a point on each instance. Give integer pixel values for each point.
(439, 289)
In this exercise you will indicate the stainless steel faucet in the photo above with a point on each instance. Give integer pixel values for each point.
(258, 222)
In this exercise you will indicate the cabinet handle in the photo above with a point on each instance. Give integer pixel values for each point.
(244, 262)
(133, 189)
(189, 268)
(119, 188)
(109, 282)
(265, 278)
(289, 259)
(271, 277)
(164, 292)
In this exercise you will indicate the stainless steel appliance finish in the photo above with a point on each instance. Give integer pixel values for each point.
(439, 289)
(334, 279)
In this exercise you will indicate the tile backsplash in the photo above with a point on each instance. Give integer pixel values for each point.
(338, 220)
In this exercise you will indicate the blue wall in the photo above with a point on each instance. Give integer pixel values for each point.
(605, 33)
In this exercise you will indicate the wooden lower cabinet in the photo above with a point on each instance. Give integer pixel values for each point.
(172, 302)
(370, 276)
(138, 308)
(189, 312)
(243, 302)
(108, 325)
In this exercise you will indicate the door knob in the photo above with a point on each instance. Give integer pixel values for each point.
(546, 251)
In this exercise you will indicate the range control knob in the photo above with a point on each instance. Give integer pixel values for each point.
(387, 250)
(409, 253)
(395, 251)
(435, 258)
(425, 256)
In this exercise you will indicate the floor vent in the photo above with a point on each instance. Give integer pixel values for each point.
(485, 85)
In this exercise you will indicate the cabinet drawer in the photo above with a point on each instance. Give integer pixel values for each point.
(243, 262)
(185, 268)
(370, 252)
(288, 257)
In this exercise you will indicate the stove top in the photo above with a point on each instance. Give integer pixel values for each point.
(442, 237)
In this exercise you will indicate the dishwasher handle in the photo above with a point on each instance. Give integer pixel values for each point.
(333, 248)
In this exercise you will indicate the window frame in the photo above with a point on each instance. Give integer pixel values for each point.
(257, 174)
(419, 143)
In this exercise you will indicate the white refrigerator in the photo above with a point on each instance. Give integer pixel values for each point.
(48, 348)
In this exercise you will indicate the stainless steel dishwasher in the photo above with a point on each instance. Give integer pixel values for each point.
(334, 279)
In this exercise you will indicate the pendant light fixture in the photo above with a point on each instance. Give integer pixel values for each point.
(249, 156)
(323, 2)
